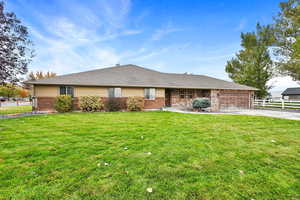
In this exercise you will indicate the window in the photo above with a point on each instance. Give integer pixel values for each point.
(181, 94)
(150, 93)
(185, 93)
(66, 90)
(190, 94)
(114, 92)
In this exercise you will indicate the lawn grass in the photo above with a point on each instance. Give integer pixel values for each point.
(15, 109)
(63, 156)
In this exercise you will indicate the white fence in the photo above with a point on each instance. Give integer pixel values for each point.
(14, 103)
(277, 104)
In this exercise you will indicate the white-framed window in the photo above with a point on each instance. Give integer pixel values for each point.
(114, 92)
(66, 90)
(150, 93)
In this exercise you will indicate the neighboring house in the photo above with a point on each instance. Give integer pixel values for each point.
(158, 89)
(291, 94)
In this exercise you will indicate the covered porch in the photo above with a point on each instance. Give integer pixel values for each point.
(183, 97)
(220, 99)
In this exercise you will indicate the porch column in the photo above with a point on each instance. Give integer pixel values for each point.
(215, 103)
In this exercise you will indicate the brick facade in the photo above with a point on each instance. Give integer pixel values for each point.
(154, 104)
(231, 99)
(220, 100)
(235, 99)
(47, 103)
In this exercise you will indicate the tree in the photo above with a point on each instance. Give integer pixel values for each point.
(9, 90)
(23, 93)
(40, 75)
(253, 65)
(15, 47)
(287, 34)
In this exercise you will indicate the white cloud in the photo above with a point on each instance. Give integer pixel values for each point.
(150, 54)
(160, 33)
(73, 49)
(281, 83)
(66, 45)
(131, 32)
(115, 12)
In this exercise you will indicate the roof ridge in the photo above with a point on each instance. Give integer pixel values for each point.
(219, 79)
(98, 69)
(145, 68)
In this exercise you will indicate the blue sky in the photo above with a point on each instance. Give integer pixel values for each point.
(170, 36)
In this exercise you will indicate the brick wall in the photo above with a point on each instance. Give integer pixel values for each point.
(220, 100)
(47, 103)
(154, 104)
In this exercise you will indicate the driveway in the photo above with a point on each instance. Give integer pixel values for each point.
(255, 112)
(270, 113)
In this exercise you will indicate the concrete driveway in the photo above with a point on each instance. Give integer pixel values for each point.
(270, 113)
(255, 112)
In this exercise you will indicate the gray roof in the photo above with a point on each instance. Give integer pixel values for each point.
(291, 91)
(135, 76)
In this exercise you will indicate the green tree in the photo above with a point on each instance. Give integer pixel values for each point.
(15, 47)
(287, 34)
(9, 90)
(253, 65)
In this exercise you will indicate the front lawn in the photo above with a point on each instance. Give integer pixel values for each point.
(121, 155)
(5, 110)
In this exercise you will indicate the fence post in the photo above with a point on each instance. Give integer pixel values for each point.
(264, 102)
(282, 104)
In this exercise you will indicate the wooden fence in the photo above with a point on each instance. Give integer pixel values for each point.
(277, 104)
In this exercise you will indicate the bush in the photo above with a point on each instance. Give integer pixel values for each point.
(63, 103)
(90, 104)
(115, 104)
(200, 103)
(135, 103)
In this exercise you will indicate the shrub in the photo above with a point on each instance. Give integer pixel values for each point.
(135, 103)
(63, 103)
(90, 104)
(200, 103)
(115, 104)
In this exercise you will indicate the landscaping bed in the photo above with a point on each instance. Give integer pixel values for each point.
(149, 155)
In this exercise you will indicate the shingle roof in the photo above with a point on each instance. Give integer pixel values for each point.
(291, 91)
(135, 76)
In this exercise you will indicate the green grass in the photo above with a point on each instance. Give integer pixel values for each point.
(62, 156)
(14, 109)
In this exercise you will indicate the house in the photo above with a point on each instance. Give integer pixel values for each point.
(158, 89)
(291, 94)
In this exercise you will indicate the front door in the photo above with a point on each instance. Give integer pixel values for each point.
(168, 97)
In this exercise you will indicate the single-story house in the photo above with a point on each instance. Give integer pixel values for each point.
(291, 94)
(157, 88)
